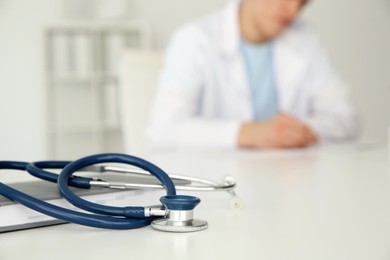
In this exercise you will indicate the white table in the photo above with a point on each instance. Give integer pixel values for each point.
(320, 203)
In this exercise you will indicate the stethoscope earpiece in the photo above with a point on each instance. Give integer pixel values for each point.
(180, 212)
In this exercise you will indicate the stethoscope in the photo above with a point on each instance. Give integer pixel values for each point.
(174, 215)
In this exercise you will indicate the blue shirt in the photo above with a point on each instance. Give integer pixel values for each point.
(258, 60)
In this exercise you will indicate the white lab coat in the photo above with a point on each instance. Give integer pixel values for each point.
(204, 96)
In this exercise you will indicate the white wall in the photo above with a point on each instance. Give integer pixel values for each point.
(357, 37)
(22, 127)
(356, 34)
(165, 16)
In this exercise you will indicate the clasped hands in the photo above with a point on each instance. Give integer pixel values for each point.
(281, 131)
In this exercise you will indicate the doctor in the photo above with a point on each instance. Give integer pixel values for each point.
(249, 76)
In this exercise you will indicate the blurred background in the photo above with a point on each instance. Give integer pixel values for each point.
(61, 66)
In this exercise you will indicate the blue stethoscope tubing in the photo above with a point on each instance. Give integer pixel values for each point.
(111, 218)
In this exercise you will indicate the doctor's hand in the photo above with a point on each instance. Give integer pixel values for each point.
(282, 131)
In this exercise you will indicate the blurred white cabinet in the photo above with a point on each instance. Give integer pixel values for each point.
(82, 85)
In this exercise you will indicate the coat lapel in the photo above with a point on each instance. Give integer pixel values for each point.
(230, 50)
(289, 68)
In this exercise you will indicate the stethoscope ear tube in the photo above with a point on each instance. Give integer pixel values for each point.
(36, 169)
(80, 218)
(129, 212)
(132, 217)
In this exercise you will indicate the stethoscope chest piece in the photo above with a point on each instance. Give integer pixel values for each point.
(180, 210)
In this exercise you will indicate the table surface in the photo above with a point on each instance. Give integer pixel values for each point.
(320, 203)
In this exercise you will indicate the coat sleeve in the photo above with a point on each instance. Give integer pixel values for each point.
(332, 114)
(175, 120)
